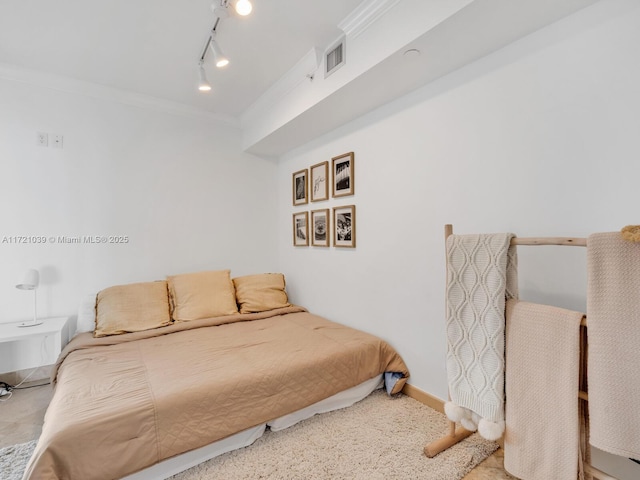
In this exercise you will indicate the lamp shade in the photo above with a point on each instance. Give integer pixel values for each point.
(30, 281)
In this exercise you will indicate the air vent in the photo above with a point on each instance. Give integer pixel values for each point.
(334, 58)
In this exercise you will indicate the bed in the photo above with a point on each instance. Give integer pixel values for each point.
(151, 403)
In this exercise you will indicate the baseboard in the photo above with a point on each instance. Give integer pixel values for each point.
(424, 397)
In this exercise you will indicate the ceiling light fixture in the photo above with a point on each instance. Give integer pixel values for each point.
(220, 10)
(219, 57)
(412, 52)
(243, 7)
(203, 85)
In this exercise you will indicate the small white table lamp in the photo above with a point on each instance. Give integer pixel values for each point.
(30, 282)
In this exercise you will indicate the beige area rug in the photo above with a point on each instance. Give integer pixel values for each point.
(377, 438)
(13, 460)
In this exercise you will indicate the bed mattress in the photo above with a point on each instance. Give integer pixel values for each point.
(126, 402)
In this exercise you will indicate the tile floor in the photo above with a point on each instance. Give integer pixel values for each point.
(21, 419)
(491, 469)
(22, 415)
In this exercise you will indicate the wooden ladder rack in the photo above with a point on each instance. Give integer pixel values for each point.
(456, 435)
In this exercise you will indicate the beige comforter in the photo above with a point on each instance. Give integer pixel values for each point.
(126, 402)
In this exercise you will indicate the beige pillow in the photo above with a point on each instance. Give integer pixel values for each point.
(132, 308)
(202, 295)
(259, 293)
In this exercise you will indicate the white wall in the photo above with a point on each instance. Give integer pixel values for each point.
(177, 186)
(539, 138)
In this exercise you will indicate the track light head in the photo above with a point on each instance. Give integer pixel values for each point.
(203, 84)
(243, 7)
(219, 57)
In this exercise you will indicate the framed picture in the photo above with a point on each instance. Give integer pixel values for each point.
(319, 182)
(344, 226)
(343, 179)
(320, 228)
(300, 187)
(301, 229)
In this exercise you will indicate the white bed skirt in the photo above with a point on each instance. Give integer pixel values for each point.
(179, 463)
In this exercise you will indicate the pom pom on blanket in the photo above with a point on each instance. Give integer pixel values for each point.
(468, 418)
(490, 430)
(631, 233)
(454, 412)
(469, 423)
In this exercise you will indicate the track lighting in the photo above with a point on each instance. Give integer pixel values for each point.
(243, 7)
(220, 10)
(219, 57)
(203, 85)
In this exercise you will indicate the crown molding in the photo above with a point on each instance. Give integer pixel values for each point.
(362, 17)
(102, 92)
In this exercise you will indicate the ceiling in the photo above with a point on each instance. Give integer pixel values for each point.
(148, 51)
(152, 47)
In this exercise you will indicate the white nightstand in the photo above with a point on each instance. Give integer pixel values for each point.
(30, 347)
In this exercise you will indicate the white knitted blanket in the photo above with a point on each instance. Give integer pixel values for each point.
(481, 275)
(613, 318)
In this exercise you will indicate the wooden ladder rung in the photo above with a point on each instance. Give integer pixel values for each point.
(568, 241)
(441, 444)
